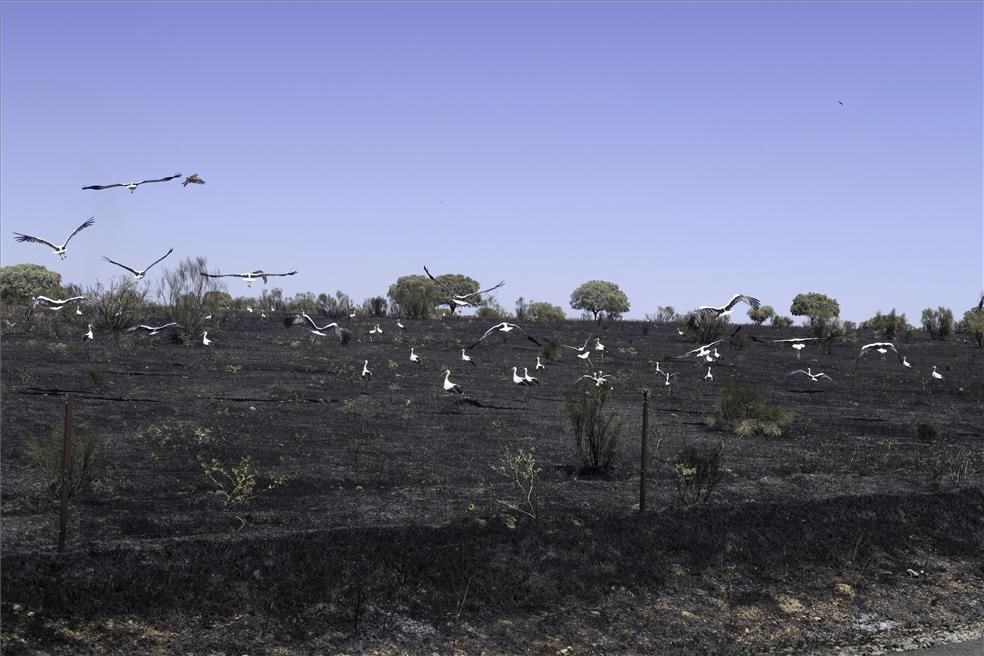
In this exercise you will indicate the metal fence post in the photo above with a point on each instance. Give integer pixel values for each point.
(643, 457)
(66, 472)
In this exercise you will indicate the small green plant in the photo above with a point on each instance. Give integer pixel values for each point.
(698, 471)
(46, 455)
(521, 470)
(598, 436)
(741, 410)
(235, 485)
(234, 368)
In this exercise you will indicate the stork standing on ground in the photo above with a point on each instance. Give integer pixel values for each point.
(467, 358)
(937, 375)
(539, 365)
(705, 312)
(88, 337)
(132, 186)
(138, 274)
(375, 330)
(58, 249)
(365, 370)
(205, 340)
(709, 376)
(449, 387)
(528, 378)
(414, 358)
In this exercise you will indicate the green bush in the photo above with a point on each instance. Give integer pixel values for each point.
(779, 322)
(973, 323)
(698, 472)
(46, 455)
(709, 329)
(888, 326)
(598, 437)
(938, 323)
(741, 410)
(761, 314)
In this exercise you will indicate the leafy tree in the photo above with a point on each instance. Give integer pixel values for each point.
(189, 296)
(973, 323)
(461, 285)
(415, 296)
(665, 314)
(779, 322)
(888, 325)
(761, 314)
(597, 296)
(302, 302)
(821, 309)
(938, 323)
(272, 298)
(543, 311)
(24, 281)
(375, 306)
(490, 309)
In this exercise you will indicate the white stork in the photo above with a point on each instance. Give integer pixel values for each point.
(152, 330)
(815, 377)
(58, 249)
(449, 387)
(504, 327)
(132, 186)
(138, 273)
(456, 300)
(249, 276)
(705, 312)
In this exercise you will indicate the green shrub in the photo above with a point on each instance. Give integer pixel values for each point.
(938, 323)
(551, 351)
(779, 322)
(235, 485)
(598, 437)
(888, 326)
(741, 410)
(520, 470)
(46, 455)
(973, 323)
(761, 314)
(698, 472)
(709, 329)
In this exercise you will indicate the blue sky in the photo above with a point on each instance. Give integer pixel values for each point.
(685, 151)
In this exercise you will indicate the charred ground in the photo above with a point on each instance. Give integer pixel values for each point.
(855, 524)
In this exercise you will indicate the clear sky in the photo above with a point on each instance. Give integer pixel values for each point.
(685, 151)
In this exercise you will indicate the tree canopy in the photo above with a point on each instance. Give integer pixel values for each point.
(818, 307)
(415, 296)
(23, 281)
(597, 296)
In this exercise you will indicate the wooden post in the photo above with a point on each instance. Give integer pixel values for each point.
(66, 472)
(643, 457)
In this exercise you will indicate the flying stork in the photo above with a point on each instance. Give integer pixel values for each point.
(705, 312)
(139, 273)
(456, 300)
(152, 330)
(59, 249)
(504, 327)
(815, 377)
(132, 186)
(249, 276)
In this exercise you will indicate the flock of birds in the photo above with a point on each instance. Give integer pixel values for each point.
(455, 298)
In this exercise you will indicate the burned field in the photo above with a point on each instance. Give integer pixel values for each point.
(382, 519)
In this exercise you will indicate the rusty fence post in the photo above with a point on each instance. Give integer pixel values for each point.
(643, 458)
(66, 472)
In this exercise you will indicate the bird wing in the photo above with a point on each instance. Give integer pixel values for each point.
(170, 177)
(133, 271)
(170, 250)
(223, 275)
(739, 298)
(483, 291)
(37, 240)
(487, 333)
(82, 227)
(440, 284)
(823, 375)
(797, 371)
(118, 184)
(264, 275)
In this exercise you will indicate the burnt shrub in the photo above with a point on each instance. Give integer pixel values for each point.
(741, 410)
(698, 471)
(597, 435)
